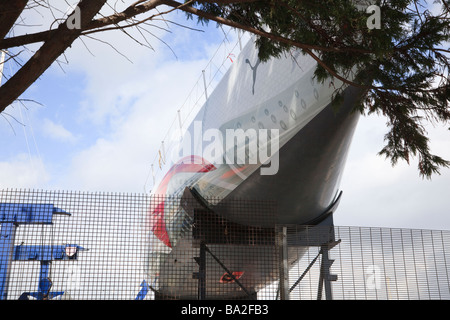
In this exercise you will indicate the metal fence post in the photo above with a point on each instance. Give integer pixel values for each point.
(283, 262)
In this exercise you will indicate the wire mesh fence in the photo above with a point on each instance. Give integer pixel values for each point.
(108, 246)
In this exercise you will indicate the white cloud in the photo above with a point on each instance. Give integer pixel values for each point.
(379, 195)
(120, 160)
(57, 131)
(125, 107)
(132, 105)
(22, 171)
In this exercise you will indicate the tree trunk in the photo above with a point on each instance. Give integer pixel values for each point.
(9, 12)
(47, 54)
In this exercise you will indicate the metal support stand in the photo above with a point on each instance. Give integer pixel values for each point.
(201, 274)
(326, 277)
(322, 236)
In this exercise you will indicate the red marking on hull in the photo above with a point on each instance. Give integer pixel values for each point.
(226, 278)
(191, 164)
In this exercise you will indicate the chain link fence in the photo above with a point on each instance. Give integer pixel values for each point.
(108, 246)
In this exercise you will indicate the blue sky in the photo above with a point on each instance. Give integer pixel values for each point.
(102, 120)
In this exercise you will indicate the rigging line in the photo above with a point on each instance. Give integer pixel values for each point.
(200, 77)
(208, 84)
(26, 139)
(35, 168)
(222, 44)
(25, 131)
(34, 140)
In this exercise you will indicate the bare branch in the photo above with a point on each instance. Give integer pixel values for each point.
(9, 12)
(46, 55)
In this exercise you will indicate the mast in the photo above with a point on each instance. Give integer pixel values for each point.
(2, 63)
